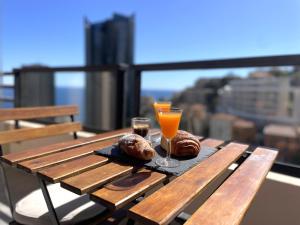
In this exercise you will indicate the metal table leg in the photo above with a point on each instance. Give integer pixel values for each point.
(52, 213)
(7, 190)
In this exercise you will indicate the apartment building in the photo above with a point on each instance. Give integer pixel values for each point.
(262, 99)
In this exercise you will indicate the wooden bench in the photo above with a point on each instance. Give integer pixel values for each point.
(24, 134)
(59, 153)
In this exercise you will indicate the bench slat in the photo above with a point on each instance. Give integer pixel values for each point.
(14, 158)
(34, 165)
(37, 112)
(117, 194)
(228, 205)
(92, 179)
(32, 133)
(165, 204)
(62, 171)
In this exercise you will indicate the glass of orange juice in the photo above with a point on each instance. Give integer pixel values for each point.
(160, 105)
(169, 122)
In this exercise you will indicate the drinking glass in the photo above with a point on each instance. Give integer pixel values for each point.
(141, 126)
(160, 106)
(169, 122)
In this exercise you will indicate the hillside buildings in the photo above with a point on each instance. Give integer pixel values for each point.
(262, 100)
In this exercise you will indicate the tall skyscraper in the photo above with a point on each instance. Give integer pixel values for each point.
(108, 42)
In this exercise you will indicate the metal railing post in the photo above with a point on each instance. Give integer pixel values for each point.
(120, 117)
(17, 88)
(137, 92)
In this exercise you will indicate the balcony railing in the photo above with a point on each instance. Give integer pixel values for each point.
(137, 70)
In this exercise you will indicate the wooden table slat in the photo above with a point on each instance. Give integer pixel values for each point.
(94, 178)
(165, 204)
(34, 165)
(117, 194)
(230, 202)
(14, 158)
(62, 171)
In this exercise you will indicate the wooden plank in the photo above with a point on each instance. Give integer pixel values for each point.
(213, 143)
(33, 133)
(34, 165)
(92, 179)
(165, 204)
(14, 158)
(37, 112)
(117, 194)
(62, 171)
(228, 205)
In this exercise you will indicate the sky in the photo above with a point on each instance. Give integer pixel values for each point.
(51, 33)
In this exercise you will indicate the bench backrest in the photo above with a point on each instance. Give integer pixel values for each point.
(37, 112)
(23, 134)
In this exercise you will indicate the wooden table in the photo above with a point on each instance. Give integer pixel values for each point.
(75, 166)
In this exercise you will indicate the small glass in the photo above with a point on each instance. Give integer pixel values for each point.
(141, 126)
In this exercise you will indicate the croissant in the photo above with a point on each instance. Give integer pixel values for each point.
(136, 146)
(183, 144)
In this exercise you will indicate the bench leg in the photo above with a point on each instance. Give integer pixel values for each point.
(52, 213)
(130, 222)
(6, 189)
(74, 133)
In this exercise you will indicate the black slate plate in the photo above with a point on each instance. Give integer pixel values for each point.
(116, 153)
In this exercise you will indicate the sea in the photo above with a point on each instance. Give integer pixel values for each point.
(75, 95)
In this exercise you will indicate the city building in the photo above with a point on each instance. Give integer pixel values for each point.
(244, 131)
(195, 119)
(106, 43)
(262, 100)
(204, 91)
(229, 127)
(285, 138)
(34, 88)
(220, 126)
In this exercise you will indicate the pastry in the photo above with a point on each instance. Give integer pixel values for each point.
(183, 144)
(136, 146)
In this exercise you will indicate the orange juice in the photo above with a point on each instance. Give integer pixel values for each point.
(169, 123)
(165, 106)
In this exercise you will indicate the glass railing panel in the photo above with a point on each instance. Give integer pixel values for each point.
(260, 106)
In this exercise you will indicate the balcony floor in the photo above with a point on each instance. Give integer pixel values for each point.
(28, 184)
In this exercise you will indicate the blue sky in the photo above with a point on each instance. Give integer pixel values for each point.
(51, 32)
